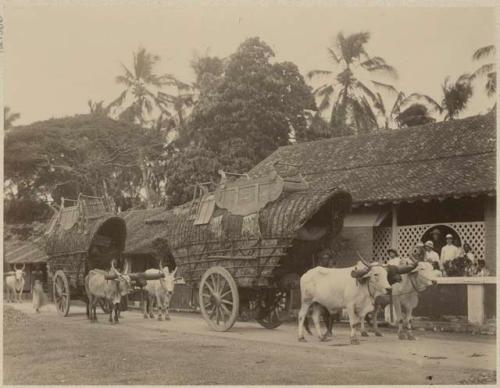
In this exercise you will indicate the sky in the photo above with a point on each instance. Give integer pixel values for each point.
(59, 57)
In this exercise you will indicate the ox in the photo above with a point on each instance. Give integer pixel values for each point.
(405, 295)
(14, 284)
(160, 290)
(352, 288)
(393, 276)
(99, 286)
(394, 273)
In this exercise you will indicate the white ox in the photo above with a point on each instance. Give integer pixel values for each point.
(352, 288)
(160, 290)
(14, 284)
(405, 295)
(98, 287)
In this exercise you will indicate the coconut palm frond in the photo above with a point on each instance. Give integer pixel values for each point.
(325, 90)
(367, 92)
(128, 74)
(483, 70)
(118, 101)
(379, 64)
(333, 55)
(396, 108)
(384, 86)
(491, 84)
(315, 73)
(484, 52)
(324, 104)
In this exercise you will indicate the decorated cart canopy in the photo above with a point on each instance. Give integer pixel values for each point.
(84, 235)
(258, 229)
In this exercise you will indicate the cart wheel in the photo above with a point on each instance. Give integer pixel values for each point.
(219, 299)
(104, 306)
(60, 289)
(274, 306)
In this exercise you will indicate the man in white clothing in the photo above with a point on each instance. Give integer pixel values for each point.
(449, 251)
(431, 255)
(394, 258)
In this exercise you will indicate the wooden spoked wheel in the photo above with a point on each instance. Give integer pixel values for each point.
(219, 299)
(274, 307)
(60, 290)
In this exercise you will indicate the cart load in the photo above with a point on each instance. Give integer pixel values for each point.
(247, 241)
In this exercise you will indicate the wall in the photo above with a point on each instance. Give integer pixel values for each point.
(490, 232)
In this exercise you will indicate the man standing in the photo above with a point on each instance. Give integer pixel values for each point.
(430, 255)
(449, 251)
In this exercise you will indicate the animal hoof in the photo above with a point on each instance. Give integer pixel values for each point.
(364, 334)
(354, 341)
(411, 337)
(146, 317)
(302, 339)
(378, 334)
(401, 336)
(160, 318)
(167, 318)
(151, 316)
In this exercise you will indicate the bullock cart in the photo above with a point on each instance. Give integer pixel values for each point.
(244, 245)
(82, 236)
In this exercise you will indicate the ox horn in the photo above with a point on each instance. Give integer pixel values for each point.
(363, 260)
(24, 266)
(15, 266)
(125, 267)
(359, 273)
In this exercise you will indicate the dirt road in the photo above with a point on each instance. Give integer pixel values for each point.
(47, 349)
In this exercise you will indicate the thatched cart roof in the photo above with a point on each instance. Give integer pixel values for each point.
(90, 220)
(278, 219)
(452, 158)
(78, 239)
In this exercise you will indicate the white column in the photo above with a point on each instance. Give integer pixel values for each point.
(475, 303)
(394, 227)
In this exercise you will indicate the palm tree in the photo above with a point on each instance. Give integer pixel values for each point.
(456, 95)
(180, 102)
(142, 84)
(487, 69)
(420, 109)
(349, 92)
(9, 118)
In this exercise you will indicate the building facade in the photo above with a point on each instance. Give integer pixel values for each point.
(407, 185)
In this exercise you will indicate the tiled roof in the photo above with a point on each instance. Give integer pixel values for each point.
(452, 158)
(19, 252)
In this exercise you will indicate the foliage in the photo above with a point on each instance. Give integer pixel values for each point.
(184, 168)
(9, 118)
(415, 114)
(250, 109)
(26, 211)
(350, 91)
(87, 154)
(487, 69)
